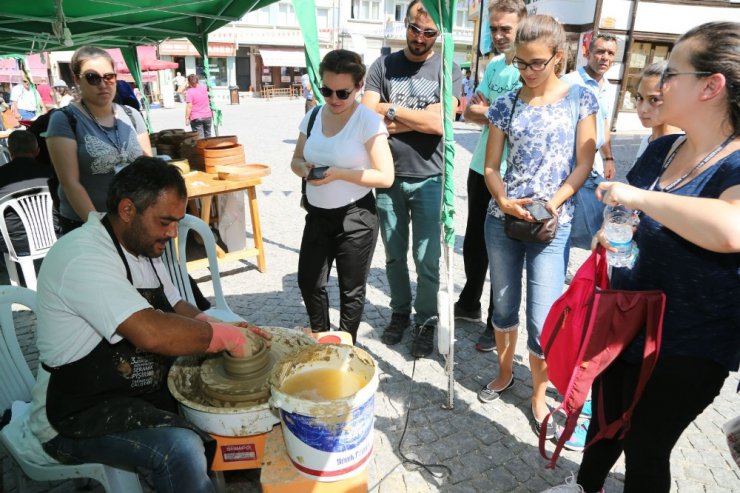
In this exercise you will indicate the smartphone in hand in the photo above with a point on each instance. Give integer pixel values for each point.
(317, 173)
(538, 210)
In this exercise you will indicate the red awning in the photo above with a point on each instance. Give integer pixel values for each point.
(147, 59)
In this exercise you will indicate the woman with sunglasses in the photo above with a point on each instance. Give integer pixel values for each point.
(537, 124)
(345, 157)
(648, 102)
(688, 189)
(105, 138)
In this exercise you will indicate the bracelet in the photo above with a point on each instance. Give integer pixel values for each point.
(608, 159)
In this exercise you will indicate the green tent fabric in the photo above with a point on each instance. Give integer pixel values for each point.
(131, 57)
(443, 14)
(306, 14)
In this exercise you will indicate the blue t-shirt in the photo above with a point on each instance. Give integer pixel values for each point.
(702, 317)
(541, 143)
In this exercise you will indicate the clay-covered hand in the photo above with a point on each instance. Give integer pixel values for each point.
(227, 337)
(255, 330)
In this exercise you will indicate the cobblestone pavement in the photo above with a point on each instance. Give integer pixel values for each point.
(488, 447)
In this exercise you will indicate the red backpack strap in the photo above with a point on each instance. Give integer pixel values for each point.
(655, 301)
(570, 425)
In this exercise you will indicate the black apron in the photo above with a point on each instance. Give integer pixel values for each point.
(116, 387)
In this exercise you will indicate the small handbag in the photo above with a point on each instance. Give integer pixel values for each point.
(538, 232)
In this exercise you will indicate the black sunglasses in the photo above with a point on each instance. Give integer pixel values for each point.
(427, 33)
(94, 78)
(341, 93)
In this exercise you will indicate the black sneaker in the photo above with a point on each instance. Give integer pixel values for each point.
(468, 315)
(423, 344)
(394, 332)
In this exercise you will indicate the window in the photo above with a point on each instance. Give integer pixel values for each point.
(322, 18)
(260, 17)
(643, 54)
(286, 15)
(367, 10)
(217, 70)
(461, 17)
(400, 11)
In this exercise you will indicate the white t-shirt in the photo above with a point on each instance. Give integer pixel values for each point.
(83, 296)
(343, 150)
(24, 98)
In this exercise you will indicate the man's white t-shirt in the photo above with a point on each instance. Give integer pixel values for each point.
(343, 150)
(25, 99)
(83, 296)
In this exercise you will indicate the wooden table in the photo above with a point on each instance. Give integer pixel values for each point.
(204, 186)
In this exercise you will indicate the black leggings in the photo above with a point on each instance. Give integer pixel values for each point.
(678, 391)
(475, 254)
(348, 235)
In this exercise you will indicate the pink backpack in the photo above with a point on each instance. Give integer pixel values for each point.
(587, 328)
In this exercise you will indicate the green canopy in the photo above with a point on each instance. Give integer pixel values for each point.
(51, 25)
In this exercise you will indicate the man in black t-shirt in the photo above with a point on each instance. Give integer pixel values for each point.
(404, 88)
(23, 171)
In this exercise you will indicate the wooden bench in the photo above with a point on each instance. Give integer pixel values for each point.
(271, 92)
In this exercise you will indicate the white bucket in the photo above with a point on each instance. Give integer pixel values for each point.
(333, 439)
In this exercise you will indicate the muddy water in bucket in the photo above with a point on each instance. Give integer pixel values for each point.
(325, 396)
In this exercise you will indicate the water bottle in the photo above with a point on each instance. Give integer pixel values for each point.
(618, 224)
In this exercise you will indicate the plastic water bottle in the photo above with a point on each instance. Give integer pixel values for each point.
(618, 223)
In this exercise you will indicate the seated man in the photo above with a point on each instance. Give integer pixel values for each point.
(109, 325)
(23, 171)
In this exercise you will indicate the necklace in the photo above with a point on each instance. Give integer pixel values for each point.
(117, 143)
(675, 183)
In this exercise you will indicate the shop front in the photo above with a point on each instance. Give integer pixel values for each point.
(221, 63)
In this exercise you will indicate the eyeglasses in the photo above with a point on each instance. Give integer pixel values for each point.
(427, 33)
(537, 65)
(93, 78)
(667, 74)
(341, 93)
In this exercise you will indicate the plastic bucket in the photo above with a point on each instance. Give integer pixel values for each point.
(327, 440)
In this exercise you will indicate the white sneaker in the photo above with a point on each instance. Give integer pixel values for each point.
(570, 486)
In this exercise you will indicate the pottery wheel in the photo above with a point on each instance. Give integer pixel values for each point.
(238, 380)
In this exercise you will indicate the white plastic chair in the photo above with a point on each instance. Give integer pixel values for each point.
(15, 386)
(34, 208)
(177, 267)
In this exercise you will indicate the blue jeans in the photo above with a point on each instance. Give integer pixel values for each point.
(27, 115)
(174, 456)
(202, 126)
(418, 201)
(545, 278)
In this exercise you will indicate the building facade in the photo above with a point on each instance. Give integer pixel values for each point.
(266, 47)
(646, 32)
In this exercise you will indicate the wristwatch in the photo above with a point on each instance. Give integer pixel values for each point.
(391, 113)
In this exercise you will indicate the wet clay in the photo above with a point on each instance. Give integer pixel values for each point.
(238, 380)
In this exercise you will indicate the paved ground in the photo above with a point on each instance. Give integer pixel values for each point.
(488, 448)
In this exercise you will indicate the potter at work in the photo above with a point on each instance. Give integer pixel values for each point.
(110, 323)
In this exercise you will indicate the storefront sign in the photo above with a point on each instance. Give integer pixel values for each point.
(183, 47)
